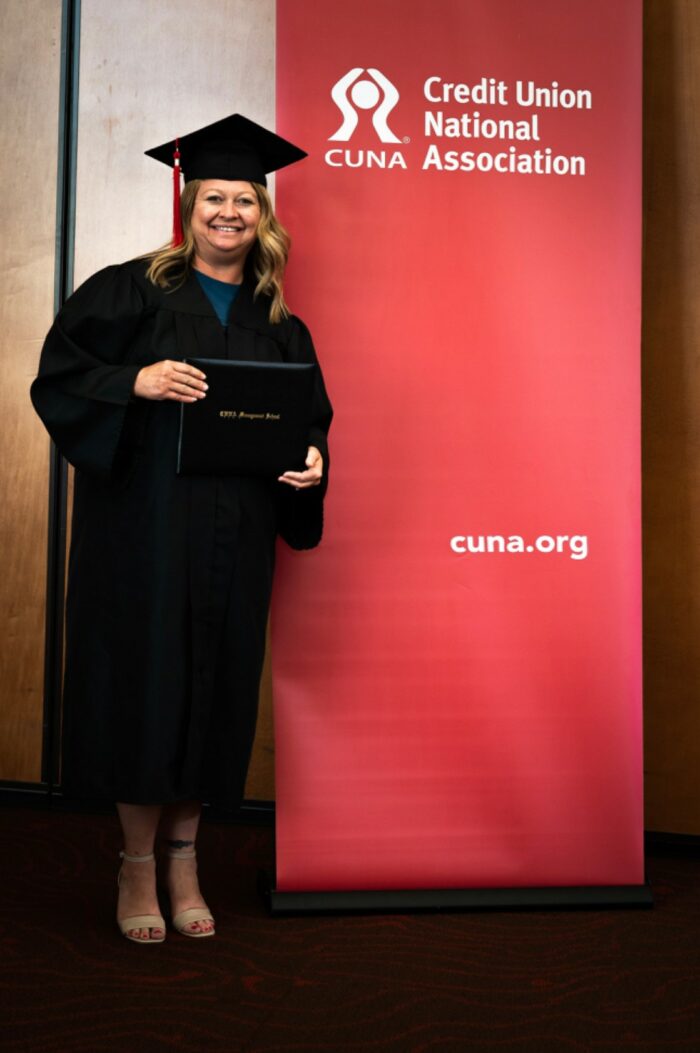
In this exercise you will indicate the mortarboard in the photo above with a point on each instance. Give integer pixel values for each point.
(232, 148)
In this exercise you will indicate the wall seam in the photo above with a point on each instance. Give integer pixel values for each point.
(58, 472)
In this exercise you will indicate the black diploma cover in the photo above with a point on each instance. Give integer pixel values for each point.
(254, 420)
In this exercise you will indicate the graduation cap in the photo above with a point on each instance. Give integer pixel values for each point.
(233, 148)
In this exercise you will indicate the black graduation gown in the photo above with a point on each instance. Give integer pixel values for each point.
(169, 577)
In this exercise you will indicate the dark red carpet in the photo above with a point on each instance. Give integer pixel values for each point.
(599, 981)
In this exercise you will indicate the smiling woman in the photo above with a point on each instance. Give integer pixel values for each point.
(170, 575)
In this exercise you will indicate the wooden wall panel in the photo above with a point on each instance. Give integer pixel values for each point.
(29, 87)
(671, 382)
(147, 73)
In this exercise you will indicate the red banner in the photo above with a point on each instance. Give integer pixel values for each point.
(457, 669)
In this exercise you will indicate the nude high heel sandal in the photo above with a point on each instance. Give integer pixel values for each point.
(192, 914)
(140, 921)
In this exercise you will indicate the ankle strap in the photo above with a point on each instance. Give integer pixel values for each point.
(137, 859)
(179, 853)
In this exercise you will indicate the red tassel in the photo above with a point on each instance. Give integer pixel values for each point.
(177, 219)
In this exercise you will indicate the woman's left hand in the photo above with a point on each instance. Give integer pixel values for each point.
(312, 475)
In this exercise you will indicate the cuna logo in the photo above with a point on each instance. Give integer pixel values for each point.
(351, 94)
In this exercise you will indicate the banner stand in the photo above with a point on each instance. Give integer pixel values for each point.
(458, 692)
(387, 901)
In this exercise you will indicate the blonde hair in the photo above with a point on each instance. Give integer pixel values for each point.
(170, 266)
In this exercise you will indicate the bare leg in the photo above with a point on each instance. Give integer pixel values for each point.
(178, 827)
(137, 885)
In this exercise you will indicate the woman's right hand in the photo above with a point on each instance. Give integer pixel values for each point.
(170, 380)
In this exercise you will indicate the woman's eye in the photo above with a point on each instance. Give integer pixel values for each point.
(240, 202)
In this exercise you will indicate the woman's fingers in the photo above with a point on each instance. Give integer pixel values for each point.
(311, 477)
(184, 375)
(297, 480)
(180, 388)
(171, 380)
(190, 375)
(314, 458)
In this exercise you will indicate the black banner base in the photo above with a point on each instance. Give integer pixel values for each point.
(471, 899)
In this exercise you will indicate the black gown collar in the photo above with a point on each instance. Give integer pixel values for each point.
(190, 298)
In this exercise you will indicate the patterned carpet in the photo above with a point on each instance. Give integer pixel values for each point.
(603, 981)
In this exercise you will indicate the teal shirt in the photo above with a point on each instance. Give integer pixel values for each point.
(220, 295)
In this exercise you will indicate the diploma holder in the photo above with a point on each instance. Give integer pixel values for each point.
(254, 420)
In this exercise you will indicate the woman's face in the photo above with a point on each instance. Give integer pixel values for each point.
(225, 220)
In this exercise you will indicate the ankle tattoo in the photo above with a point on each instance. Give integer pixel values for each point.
(179, 844)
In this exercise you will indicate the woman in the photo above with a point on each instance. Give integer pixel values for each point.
(170, 576)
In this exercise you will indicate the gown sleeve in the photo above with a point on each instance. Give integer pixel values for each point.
(301, 512)
(83, 391)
